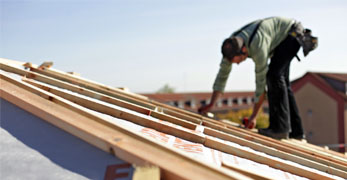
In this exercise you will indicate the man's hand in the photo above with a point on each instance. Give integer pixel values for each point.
(203, 110)
(253, 118)
(252, 121)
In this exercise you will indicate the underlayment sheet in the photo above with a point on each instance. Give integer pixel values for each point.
(32, 148)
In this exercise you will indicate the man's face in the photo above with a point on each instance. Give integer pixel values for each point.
(240, 58)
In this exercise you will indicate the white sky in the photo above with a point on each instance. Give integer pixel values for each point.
(145, 44)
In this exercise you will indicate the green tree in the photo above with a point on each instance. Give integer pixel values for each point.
(166, 89)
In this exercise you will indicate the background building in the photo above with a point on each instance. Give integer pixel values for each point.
(322, 102)
(192, 101)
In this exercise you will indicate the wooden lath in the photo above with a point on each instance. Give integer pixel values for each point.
(279, 145)
(99, 96)
(193, 137)
(210, 142)
(321, 149)
(129, 146)
(221, 127)
(146, 122)
(170, 110)
(216, 125)
(121, 94)
(317, 149)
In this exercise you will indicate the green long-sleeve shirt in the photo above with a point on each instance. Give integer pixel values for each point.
(271, 32)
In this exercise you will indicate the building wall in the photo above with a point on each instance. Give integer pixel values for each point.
(319, 115)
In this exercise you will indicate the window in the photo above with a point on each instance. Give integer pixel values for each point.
(188, 103)
(309, 113)
(244, 100)
(225, 101)
(203, 102)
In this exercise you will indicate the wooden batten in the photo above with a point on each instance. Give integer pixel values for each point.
(252, 174)
(127, 145)
(318, 149)
(176, 109)
(179, 132)
(96, 95)
(275, 152)
(173, 120)
(114, 92)
(130, 153)
(217, 144)
(306, 146)
(66, 75)
(147, 123)
(303, 152)
(146, 173)
(182, 116)
(186, 119)
(48, 80)
(105, 89)
(277, 145)
(284, 144)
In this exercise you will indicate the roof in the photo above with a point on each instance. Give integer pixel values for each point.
(182, 144)
(337, 76)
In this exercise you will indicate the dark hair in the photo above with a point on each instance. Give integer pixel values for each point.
(232, 47)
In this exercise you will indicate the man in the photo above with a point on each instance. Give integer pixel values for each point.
(279, 39)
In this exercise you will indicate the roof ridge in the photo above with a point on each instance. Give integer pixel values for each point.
(335, 76)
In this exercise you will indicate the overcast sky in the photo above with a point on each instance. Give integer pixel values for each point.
(146, 44)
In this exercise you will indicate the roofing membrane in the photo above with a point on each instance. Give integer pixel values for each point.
(197, 151)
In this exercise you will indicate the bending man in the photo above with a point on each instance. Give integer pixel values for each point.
(279, 39)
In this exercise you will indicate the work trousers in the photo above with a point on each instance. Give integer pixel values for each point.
(284, 114)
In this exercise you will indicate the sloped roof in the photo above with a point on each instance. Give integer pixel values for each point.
(336, 76)
(142, 131)
(327, 80)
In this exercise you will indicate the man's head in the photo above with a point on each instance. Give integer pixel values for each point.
(234, 50)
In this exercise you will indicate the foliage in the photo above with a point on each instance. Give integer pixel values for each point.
(237, 116)
(166, 89)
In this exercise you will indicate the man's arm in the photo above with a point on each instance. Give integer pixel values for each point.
(218, 85)
(261, 68)
(256, 108)
(215, 96)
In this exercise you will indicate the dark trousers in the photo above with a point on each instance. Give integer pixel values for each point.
(284, 114)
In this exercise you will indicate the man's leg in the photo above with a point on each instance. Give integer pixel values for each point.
(295, 120)
(278, 97)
